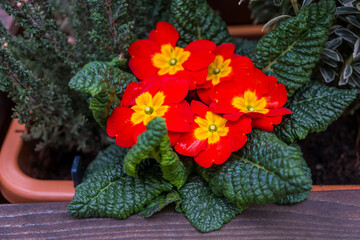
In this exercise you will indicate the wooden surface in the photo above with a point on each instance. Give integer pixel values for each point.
(325, 215)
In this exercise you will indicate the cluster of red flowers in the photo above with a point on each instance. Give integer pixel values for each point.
(209, 97)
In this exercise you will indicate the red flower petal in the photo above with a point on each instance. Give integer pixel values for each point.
(119, 119)
(189, 145)
(238, 141)
(131, 92)
(143, 48)
(199, 108)
(204, 94)
(226, 50)
(175, 121)
(255, 80)
(237, 131)
(242, 64)
(243, 126)
(139, 129)
(174, 137)
(278, 112)
(165, 33)
(201, 55)
(142, 67)
(174, 89)
(216, 153)
(183, 108)
(266, 123)
(125, 137)
(233, 116)
(277, 95)
(223, 96)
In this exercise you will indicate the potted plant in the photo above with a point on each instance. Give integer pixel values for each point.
(207, 128)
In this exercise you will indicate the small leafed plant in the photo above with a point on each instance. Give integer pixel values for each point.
(205, 128)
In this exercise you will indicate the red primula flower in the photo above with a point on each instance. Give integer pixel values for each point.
(143, 102)
(212, 138)
(225, 65)
(253, 94)
(158, 56)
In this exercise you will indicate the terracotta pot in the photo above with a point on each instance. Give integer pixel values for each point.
(20, 188)
(16, 186)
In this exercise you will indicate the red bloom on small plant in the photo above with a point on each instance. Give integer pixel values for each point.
(253, 94)
(225, 65)
(158, 56)
(143, 102)
(212, 138)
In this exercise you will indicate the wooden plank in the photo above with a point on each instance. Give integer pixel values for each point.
(325, 215)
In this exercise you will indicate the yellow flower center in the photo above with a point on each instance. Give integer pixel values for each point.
(250, 103)
(218, 69)
(148, 107)
(170, 59)
(211, 128)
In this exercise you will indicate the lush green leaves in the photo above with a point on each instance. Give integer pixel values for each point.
(173, 169)
(112, 193)
(160, 202)
(154, 143)
(268, 171)
(291, 51)
(313, 108)
(245, 47)
(203, 209)
(105, 84)
(194, 19)
(146, 145)
(112, 154)
(298, 197)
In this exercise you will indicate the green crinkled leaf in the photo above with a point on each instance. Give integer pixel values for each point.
(298, 197)
(245, 47)
(105, 83)
(112, 154)
(146, 145)
(155, 143)
(172, 168)
(195, 19)
(268, 171)
(313, 107)
(112, 193)
(291, 50)
(203, 209)
(160, 202)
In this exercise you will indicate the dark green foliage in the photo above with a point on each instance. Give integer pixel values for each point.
(40, 64)
(194, 19)
(112, 154)
(341, 59)
(154, 143)
(298, 197)
(291, 51)
(264, 10)
(313, 107)
(172, 168)
(146, 145)
(106, 84)
(264, 171)
(112, 193)
(203, 209)
(160, 202)
(245, 47)
(45, 108)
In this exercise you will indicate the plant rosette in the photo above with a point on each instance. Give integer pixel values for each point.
(198, 125)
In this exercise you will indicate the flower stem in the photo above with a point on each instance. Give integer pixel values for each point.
(295, 6)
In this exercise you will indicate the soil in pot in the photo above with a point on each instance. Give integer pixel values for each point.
(334, 155)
